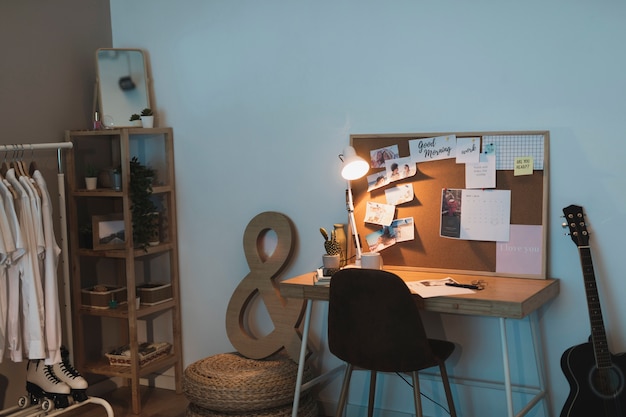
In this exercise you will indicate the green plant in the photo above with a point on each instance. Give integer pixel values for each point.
(146, 112)
(134, 117)
(143, 209)
(90, 171)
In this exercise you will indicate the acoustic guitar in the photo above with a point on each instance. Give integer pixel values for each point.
(595, 376)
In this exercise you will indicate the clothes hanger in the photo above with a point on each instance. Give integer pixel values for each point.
(4, 168)
(33, 164)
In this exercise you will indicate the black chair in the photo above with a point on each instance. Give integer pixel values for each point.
(374, 324)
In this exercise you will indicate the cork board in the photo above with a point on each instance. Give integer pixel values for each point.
(428, 250)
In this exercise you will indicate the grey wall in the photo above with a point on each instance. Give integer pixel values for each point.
(47, 74)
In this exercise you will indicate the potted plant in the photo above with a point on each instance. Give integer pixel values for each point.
(135, 119)
(144, 211)
(147, 117)
(91, 177)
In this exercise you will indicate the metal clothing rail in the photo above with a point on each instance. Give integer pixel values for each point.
(59, 146)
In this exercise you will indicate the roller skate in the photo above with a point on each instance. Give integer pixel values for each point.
(44, 387)
(68, 374)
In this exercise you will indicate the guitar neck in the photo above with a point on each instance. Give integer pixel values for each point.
(598, 333)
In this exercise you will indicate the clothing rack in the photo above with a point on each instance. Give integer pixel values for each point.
(59, 146)
(33, 411)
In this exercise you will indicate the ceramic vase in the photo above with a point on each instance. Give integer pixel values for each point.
(340, 236)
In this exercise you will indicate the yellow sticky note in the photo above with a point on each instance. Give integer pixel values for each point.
(524, 165)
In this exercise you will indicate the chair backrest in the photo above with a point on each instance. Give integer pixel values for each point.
(374, 322)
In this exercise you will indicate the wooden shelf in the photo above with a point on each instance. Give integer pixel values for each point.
(123, 265)
(121, 312)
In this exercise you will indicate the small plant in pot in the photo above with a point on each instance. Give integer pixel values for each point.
(144, 211)
(147, 117)
(135, 119)
(91, 177)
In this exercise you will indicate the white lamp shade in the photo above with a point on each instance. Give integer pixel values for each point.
(354, 167)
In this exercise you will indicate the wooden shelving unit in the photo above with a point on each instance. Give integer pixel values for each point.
(97, 331)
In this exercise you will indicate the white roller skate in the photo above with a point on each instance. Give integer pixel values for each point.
(68, 374)
(43, 385)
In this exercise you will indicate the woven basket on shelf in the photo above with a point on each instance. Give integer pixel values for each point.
(308, 407)
(230, 382)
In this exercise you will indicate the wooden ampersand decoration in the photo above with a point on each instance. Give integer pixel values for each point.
(286, 314)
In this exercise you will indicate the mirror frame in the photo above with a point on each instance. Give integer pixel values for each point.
(102, 102)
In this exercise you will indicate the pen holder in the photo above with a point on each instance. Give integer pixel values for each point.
(371, 260)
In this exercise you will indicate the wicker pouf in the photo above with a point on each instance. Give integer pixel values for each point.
(307, 408)
(232, 383)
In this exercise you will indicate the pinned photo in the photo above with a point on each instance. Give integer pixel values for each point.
(379, 156)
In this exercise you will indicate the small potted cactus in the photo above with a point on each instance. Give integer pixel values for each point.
(332, 259)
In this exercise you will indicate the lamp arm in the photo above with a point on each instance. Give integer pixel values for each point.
(353, 225)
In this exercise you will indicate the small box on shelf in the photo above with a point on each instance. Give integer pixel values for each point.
(154, 293)
(100, 296)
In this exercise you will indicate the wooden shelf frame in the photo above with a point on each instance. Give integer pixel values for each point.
(109, 148)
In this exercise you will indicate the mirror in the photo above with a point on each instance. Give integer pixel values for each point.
(122, 85)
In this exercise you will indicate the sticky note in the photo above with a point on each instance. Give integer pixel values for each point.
(523, 165)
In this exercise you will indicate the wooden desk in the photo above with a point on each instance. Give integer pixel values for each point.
(502, 297)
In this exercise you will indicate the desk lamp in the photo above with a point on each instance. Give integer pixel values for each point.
(354, 167)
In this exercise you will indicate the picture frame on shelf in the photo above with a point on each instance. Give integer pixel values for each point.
(108, 231)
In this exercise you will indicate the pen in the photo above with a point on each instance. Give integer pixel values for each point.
(455, 284)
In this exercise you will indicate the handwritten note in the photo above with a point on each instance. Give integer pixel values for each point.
(467, 150)
(523, 165)
(481, 174)
(433, 149)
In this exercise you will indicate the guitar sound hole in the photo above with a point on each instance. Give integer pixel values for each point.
(607, 383)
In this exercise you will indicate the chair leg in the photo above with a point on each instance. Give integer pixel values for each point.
(370, 402)
(446, 387)
(416, 394)
(343, 396)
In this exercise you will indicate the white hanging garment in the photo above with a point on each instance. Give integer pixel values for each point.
(33, 342)
(52, 325)
(14, 271)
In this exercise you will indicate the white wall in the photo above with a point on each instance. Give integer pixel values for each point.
(264, 94)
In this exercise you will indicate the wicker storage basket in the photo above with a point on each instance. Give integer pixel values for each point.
(154, 293)
(308, 407)
(100, 296)
(230, 382)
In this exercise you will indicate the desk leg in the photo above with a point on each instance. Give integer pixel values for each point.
(541, 369)
(302, 359)
(507, 371)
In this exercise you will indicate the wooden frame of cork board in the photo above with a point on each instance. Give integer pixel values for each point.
(522, 256)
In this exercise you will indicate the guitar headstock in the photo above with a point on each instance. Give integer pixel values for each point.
(577, 227)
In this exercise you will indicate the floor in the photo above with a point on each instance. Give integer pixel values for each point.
(156, 402)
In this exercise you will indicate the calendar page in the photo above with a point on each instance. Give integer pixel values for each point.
(476, 214)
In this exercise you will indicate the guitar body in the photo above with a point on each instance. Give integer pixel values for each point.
(593, 392)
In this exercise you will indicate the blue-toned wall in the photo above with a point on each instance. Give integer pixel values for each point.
(264, 94)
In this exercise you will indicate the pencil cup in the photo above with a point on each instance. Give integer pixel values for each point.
(331, 261)
(371, 260)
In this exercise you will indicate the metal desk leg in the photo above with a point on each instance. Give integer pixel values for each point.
(302, 359)
(541, 369)
(507, 372)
